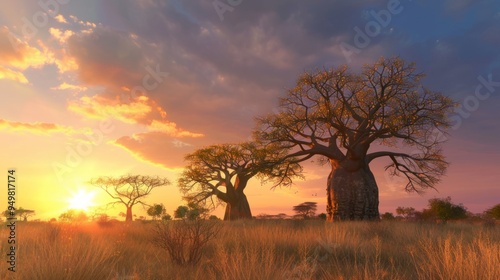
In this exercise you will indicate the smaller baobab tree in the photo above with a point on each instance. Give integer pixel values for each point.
(224, 170)
(129, 190)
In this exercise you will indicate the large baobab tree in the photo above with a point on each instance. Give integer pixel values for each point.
(352, 119)
(129, 190)
(224, 170)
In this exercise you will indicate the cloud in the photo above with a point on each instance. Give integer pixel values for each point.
(102, 107)
(66, 86)
(106, 57)
(9, 74)
(81, 22)
(17, 56)
(38, 127)
(159, 148)
(60, 35)
(171, 129)
(60, 18)
(134, 110)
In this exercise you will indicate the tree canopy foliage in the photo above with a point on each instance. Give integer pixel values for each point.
(156, 211)
(223, 171)
(342, 116)
(191, 212)
(21, 213)
(306, 210)
(444, 209)
(339, 114)
(494, 212)
(406, 212)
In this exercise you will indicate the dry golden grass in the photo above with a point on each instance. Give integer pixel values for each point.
(261, 250)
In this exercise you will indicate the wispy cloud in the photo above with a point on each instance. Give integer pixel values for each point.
(66, 86)
(9, 74)
(17, 56)
(138, 110)
(159, 148)
(61, 35)
(39, 127)
(60, 18)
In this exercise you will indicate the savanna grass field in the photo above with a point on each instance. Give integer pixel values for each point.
(259, 249)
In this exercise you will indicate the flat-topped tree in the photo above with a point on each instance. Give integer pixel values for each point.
(340, 115)
(223, 172)
(129, 190)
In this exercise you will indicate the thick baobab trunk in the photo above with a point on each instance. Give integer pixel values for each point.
(238, 208)
(128, 218)
(352, 194)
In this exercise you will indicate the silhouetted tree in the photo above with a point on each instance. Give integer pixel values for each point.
(21, 213)
(156, 211)
(339, 116)
(73, 215)
(494, 212)
(129, 190)
(223, 171)
(191, 212)
(406, 212)
(388, 216)
(306, 209)
(444, 209)
(166, 217)
(181, 212)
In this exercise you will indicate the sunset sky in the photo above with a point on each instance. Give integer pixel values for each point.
(106, 88)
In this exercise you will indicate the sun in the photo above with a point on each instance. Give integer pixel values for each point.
(81, 200)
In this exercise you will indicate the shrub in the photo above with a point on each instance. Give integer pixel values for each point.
(388, 216)
(184, 240)
(494, 212)
(444, 209)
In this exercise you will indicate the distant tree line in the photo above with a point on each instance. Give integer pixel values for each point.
(440, 209)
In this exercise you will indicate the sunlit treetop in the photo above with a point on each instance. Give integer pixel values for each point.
(339, 114)
(220, 170)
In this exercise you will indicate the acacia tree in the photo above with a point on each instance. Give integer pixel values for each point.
(129, 190)
(340, 115)
(224, 170)
(306, 209)
(21, 212)
(406, 212)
